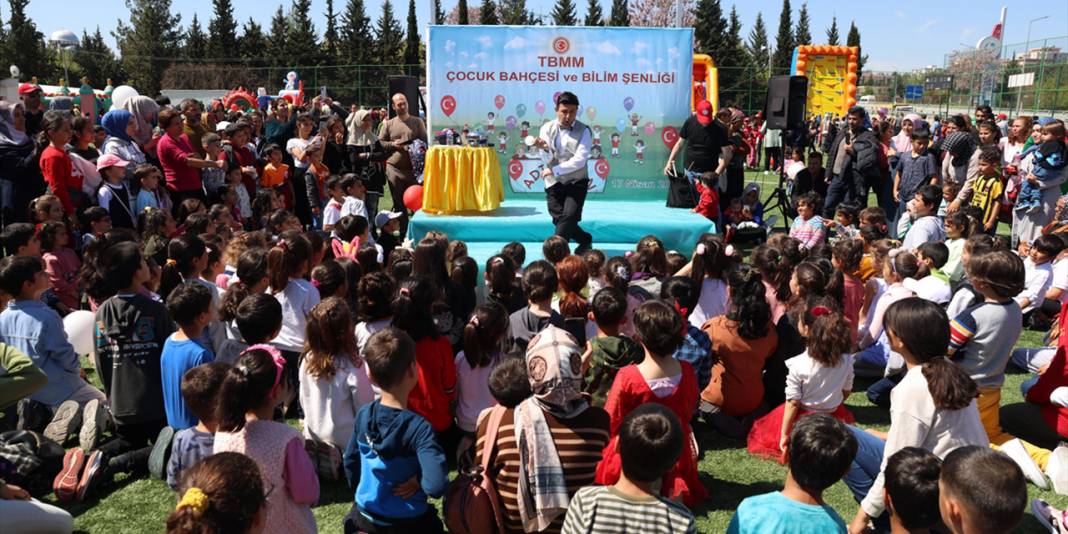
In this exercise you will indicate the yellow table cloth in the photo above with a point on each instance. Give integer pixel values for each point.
(459, 178)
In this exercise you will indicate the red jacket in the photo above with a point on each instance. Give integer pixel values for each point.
(708, 205)
(1056, 376)
(58, 171)
(436, 389)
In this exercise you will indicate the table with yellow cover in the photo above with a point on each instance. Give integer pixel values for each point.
(458, 179)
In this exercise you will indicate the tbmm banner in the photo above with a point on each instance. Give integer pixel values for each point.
(633, 85)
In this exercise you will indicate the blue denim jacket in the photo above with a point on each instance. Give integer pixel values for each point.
(37, 330)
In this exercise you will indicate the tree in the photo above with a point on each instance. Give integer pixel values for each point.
(514, 12)
(564, 13)
(388, 36)
(710, 29)
(853, 39)
(252, 45)
(487, 13)
(354, 37)
(439, 15)
(152, 35)
(411, 43)
(784, 41)
(96, 59)
(620, 15)
(660, 13)
(465, 16)
(222, 31)
(278, 37)
(594, 14)
(732, 61)
(757, 46)
(832, 32)
(196, 42)
(302, 43)
(802, 36)
(24, 46)
(330, 35)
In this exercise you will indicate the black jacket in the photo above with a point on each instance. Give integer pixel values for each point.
(863, 163)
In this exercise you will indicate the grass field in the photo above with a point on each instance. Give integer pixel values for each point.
(726, 468)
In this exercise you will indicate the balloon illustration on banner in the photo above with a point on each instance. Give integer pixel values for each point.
(498, 101)
(621, 125)
(650, 128)
(669, 135)
(448, 105)
(556, 95)
(591, 112)
(628, 103)
(515, 169)
(521, 110)
(539, 107)
(601, 168)
(510, 122)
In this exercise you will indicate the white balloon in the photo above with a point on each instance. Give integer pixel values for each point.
(121, 94)
(79, 328)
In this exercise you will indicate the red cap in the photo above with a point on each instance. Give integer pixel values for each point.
(28, 88)
(704, 112)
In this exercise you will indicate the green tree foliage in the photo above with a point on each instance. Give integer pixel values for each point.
(252, 45)
(354, 36)
(853, 39)
(802, 36)
(710, 29)
(24, 45)
(514, 12)
(733, 62)
(784, 42)
(411, 42)
(96, 60)
(757, 47)
(487, 13)
(464, 16)
(222, 31)
(439, 14)
(152, 35)
(302, 43)
(277, 38)
(389, 38)
(832, 32)
(564, 13)
(330, 35)
(620, 15)
(594, 14)
(195, 47)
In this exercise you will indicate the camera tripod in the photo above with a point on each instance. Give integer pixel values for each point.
(779, 199)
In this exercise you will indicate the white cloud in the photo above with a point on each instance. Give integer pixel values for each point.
(659, 61)
(516, 43)
(967, 32)
(450, 46)
(642, 62)
(485, 41)
(481, 55)
(472, 66)
(464, 55)
(673, 53)
(927, 25)
(606, 47)
(900, 14)
(639, 47)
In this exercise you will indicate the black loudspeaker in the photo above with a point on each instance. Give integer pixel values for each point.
(785, 105)
(409, 85)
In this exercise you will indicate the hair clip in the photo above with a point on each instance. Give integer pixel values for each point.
(621, 271)
(682, 313)
(194, 499)
(405, 291)
(281, 244)
(729, 251)
(820, 311)
(496, 261)
(315, 283)
(172, 262)
(628, 253)
(700, 250)
(474, 320)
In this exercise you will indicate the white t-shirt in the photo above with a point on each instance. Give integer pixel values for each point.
(817, 387)
(924, 230)
(929, 288)
(712, 302)
(1036, 281)
(330, 405)
(473, 394)
(331, 215)
(365, 330)
(354, 206)
(302, 144)
(1060, 278)
(962, 299)
(297, 300)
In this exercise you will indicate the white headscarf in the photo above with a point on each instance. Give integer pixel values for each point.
(142, 108)
(9, 136)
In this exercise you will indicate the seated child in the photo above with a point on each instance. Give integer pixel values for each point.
(200, 388)
(696, 347)
(539, 285)
(808, 227)
(610, 350)
(926, 226)
(509, 383)
(751, 204)
(393, 448)
(554, 249)
(1049, 158)
(190, 307)
(980, 491)
(911, 482)
(259, 319)
(708, 196)
(1038, 271)
(819, 452)
(845, 221)
(934, 286)
(650, 441)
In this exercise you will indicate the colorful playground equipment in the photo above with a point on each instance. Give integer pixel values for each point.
(832, 77)
(705, 82)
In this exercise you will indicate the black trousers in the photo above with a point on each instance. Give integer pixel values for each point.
(565, 205)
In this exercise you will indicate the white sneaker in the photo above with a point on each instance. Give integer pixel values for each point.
(1015, 450)
(1057, 469)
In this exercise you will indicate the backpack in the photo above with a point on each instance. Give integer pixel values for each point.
(470, 503)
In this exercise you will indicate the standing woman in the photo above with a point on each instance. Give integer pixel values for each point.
(736, 165)
(1027, 224)
(120, 127)
(144, 111)
(336, 155)
(20, 172)
(1015, 141)
(181, 165)
(366, 156)
(902, 142)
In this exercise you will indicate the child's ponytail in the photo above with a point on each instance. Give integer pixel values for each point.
(923, 328)
(413, 308)
(182, 255)
(749, 305)
(829, 336)
(247, 386)
(774, 268)
(251, 270)
(500, 277)
(287, 259)
(617, 273)
(710, 259)
(483, 334)
(572, 277)
(222, 493)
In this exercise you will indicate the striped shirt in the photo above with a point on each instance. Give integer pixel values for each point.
(579, 442)
(598, 509)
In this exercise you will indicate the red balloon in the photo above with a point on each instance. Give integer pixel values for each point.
(413, 198)
(669, 136)
(515, 169)
(448, 105)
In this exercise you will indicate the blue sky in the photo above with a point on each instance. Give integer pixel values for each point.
(904, 35)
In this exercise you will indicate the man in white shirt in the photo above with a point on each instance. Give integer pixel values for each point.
(568, 141)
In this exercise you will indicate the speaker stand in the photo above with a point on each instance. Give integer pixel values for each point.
(779, 199)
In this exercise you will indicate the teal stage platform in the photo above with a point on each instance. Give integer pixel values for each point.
(616, 226)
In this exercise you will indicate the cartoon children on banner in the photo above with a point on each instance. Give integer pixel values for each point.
(634, 120)
(502, 142)
(524, 129)
(615, 145)
(596, 135)
(639, 152)
(489, 122)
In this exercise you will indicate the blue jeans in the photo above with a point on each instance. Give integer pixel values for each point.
(842, 188)
(879, 392)
(1026, 385)
(865, 469)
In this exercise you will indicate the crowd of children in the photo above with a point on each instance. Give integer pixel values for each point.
(578, 382)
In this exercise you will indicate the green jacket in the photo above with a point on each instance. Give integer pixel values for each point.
(18, 376)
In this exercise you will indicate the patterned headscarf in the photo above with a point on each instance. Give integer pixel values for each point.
(554, 367)
(9, 136)
(144, 110)
(960, 146)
